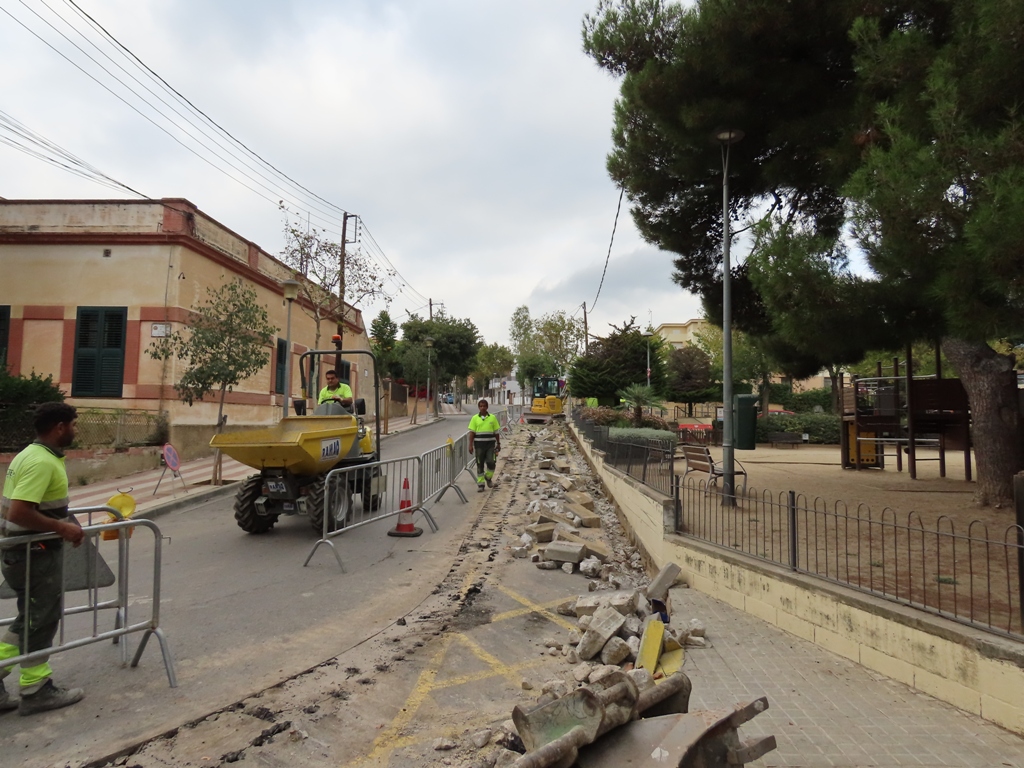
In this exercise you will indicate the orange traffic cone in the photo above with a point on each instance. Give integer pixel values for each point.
(405, 526)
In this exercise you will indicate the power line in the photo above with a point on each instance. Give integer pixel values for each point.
(608, 257)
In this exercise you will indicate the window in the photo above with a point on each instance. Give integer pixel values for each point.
(281, 366)
(5, 333)
(99, 352)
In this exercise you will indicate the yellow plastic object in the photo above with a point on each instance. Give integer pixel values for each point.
(670, 663)
(650, 646)
(123, 503)
(306, 445)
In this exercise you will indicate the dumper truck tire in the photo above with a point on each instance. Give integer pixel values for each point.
(246, 516)
(315, 500)
(371, 501)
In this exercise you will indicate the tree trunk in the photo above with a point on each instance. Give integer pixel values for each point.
(217, 477)
(833, 377)
(416, 401)
(765, 392)
(991, 389)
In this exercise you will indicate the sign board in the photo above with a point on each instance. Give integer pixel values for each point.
(171, 458)
(159, 330)
(720, 413)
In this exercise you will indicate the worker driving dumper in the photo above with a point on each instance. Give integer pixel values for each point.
(336, 391)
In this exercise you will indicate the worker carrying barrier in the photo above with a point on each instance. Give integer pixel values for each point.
(86, 570)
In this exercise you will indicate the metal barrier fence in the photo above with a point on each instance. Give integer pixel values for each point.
(968, 575)
(649, 461)
(85, 569)
(357, 496)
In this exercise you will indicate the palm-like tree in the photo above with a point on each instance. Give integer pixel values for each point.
(638, 397)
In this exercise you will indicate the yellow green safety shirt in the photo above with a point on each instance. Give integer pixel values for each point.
(37, 475)
(343, 390)
(486, 429)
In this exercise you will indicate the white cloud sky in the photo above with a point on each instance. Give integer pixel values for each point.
(470, 137)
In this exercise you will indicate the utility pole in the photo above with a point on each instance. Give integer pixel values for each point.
(430, 302)
(341, 274)
(586, 334)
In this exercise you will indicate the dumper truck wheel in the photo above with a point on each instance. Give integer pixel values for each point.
(245, 507)
(371, 501)
(315, 499)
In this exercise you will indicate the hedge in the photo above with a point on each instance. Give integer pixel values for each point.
(821, 428)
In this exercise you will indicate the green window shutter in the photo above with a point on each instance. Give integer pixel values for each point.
(279, 367)
(5, 333)
(99, 352)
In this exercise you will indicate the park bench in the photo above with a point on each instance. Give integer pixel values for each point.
(699, 459)
(788, 439)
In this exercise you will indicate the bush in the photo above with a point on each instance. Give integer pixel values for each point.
(821, 428)
(31, 390)
(602, 417)
(804, 402)
(626, 434)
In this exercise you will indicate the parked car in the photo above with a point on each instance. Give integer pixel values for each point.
(449, 398)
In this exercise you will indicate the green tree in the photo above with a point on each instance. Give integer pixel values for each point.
(384, 341)
(414, 369)
(637, 397)
(689, 377)
(904, 113)
(530, 366)
(224, 342)
(520, 331)
(560, 337)
(492, 361)
(616, 361)
(456, 342)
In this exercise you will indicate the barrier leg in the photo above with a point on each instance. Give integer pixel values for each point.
(165, 651)
(333, 549)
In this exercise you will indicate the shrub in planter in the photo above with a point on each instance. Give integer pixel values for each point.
(642, 434)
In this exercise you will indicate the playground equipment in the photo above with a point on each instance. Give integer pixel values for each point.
(905, 411)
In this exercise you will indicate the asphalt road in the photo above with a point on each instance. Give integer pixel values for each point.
(241, 614)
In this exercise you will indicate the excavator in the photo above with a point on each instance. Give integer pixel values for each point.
(549, 394)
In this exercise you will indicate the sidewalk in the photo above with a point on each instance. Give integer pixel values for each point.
(173, 492)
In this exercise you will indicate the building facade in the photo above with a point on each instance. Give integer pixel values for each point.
(681, 334)
(88, 285)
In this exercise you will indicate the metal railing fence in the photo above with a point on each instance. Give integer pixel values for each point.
(357, 496)
(86, 570)
(966, 573)
(649, 461)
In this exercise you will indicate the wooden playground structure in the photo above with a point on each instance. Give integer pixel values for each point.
(906, 412)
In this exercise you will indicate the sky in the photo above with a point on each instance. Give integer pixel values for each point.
(469, 136)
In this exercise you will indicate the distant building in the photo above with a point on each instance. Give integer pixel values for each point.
(88, 284)
(681, 334)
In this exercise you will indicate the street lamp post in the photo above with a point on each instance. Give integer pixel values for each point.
(291, 292)
(726, 138)
(429, 343)
(647, 335)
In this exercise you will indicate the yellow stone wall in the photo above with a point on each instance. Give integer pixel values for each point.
(976, 671)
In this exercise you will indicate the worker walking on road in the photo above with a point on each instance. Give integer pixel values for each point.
(483, 435)
(35, 500)
(335, 391)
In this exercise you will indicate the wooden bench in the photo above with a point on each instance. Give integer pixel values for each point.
(698, 459)
(789, 439)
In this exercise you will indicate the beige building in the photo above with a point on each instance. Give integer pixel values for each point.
(88, 285)
(681, 334)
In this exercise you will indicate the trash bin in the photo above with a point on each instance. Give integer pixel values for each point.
(744, 425)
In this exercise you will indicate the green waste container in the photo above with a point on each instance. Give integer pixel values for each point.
(744, 424)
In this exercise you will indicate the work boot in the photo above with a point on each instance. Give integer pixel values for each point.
(489, 483)
(480, 488)
(49, 697)
(7, 702)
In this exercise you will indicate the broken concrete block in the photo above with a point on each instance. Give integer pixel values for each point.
(623, 602)
(541, 532)
(632, 627)
(696, 628)
(568, 567)
(561, 465)
(567, 608)
(603, 625)
(559, 688)
(480, 738)
(572, 657)
(505, 758)
(582, 671)
(549, 454)
(590, 567)
(650, 646)
(615, 651)
(587, 518)
(601, 672)
(545, 463)
(696, 642)
(549, 517)
(597, 549)
(574, 636)
(547, 565)
(443, 743)
(521, 552)
(672, 642)
(660, 584)
(581, 498)
(550, 642)
(584, 622)
(535, 557)
(564, 551)
(634, 646)
(526, 685)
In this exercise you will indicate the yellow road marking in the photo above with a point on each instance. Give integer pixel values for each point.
(537, 608)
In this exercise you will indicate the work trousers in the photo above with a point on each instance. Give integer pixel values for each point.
(44, 578)
(485, 460)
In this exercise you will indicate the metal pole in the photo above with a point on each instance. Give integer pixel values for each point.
(428, 384)
(1018, 500)
(648, 362)
(728, 459)
(288, 358)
